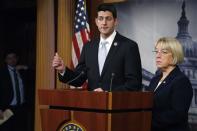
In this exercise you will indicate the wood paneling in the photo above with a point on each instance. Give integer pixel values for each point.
(44, 50)
(52, 119)
(65, 32)
(113, 1)
(71, 98)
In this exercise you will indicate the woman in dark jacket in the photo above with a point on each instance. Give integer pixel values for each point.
(172, 89)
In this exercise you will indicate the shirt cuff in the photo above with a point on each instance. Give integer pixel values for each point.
(62, 74)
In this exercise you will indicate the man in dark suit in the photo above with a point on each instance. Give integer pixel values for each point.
(112, 66)
(12, 94)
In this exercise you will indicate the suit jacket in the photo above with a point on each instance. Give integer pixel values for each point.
(121, 71)
(172, 100)
(6, 87)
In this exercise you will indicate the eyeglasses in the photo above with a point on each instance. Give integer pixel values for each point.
(163, 51)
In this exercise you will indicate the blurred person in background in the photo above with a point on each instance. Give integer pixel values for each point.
(14, 94)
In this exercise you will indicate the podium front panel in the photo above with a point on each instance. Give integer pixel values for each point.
(96, 111)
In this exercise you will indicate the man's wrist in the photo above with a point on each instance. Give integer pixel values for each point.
(62, 72)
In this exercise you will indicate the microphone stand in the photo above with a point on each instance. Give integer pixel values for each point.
(111, 82)
(75, 78)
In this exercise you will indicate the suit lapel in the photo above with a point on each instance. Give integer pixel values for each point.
(8, 79)
(160, 86)
(154, 84)
(167, 80)
(95, 54)
(113, 49)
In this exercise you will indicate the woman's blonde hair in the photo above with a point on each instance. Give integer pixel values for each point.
(173, 45)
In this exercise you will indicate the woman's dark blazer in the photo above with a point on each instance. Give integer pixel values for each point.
(172, 100)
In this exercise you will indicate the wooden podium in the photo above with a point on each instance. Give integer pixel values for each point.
(77, 110)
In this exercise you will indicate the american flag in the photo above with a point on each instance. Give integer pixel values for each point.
(81, 34)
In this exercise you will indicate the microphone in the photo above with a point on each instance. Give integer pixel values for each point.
(111, 81)
(79, 75)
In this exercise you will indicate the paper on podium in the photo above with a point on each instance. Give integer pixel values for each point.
(6, 115)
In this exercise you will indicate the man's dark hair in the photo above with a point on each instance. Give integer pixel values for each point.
(108, 7)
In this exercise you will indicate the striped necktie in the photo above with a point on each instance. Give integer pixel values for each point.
(18, 97)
